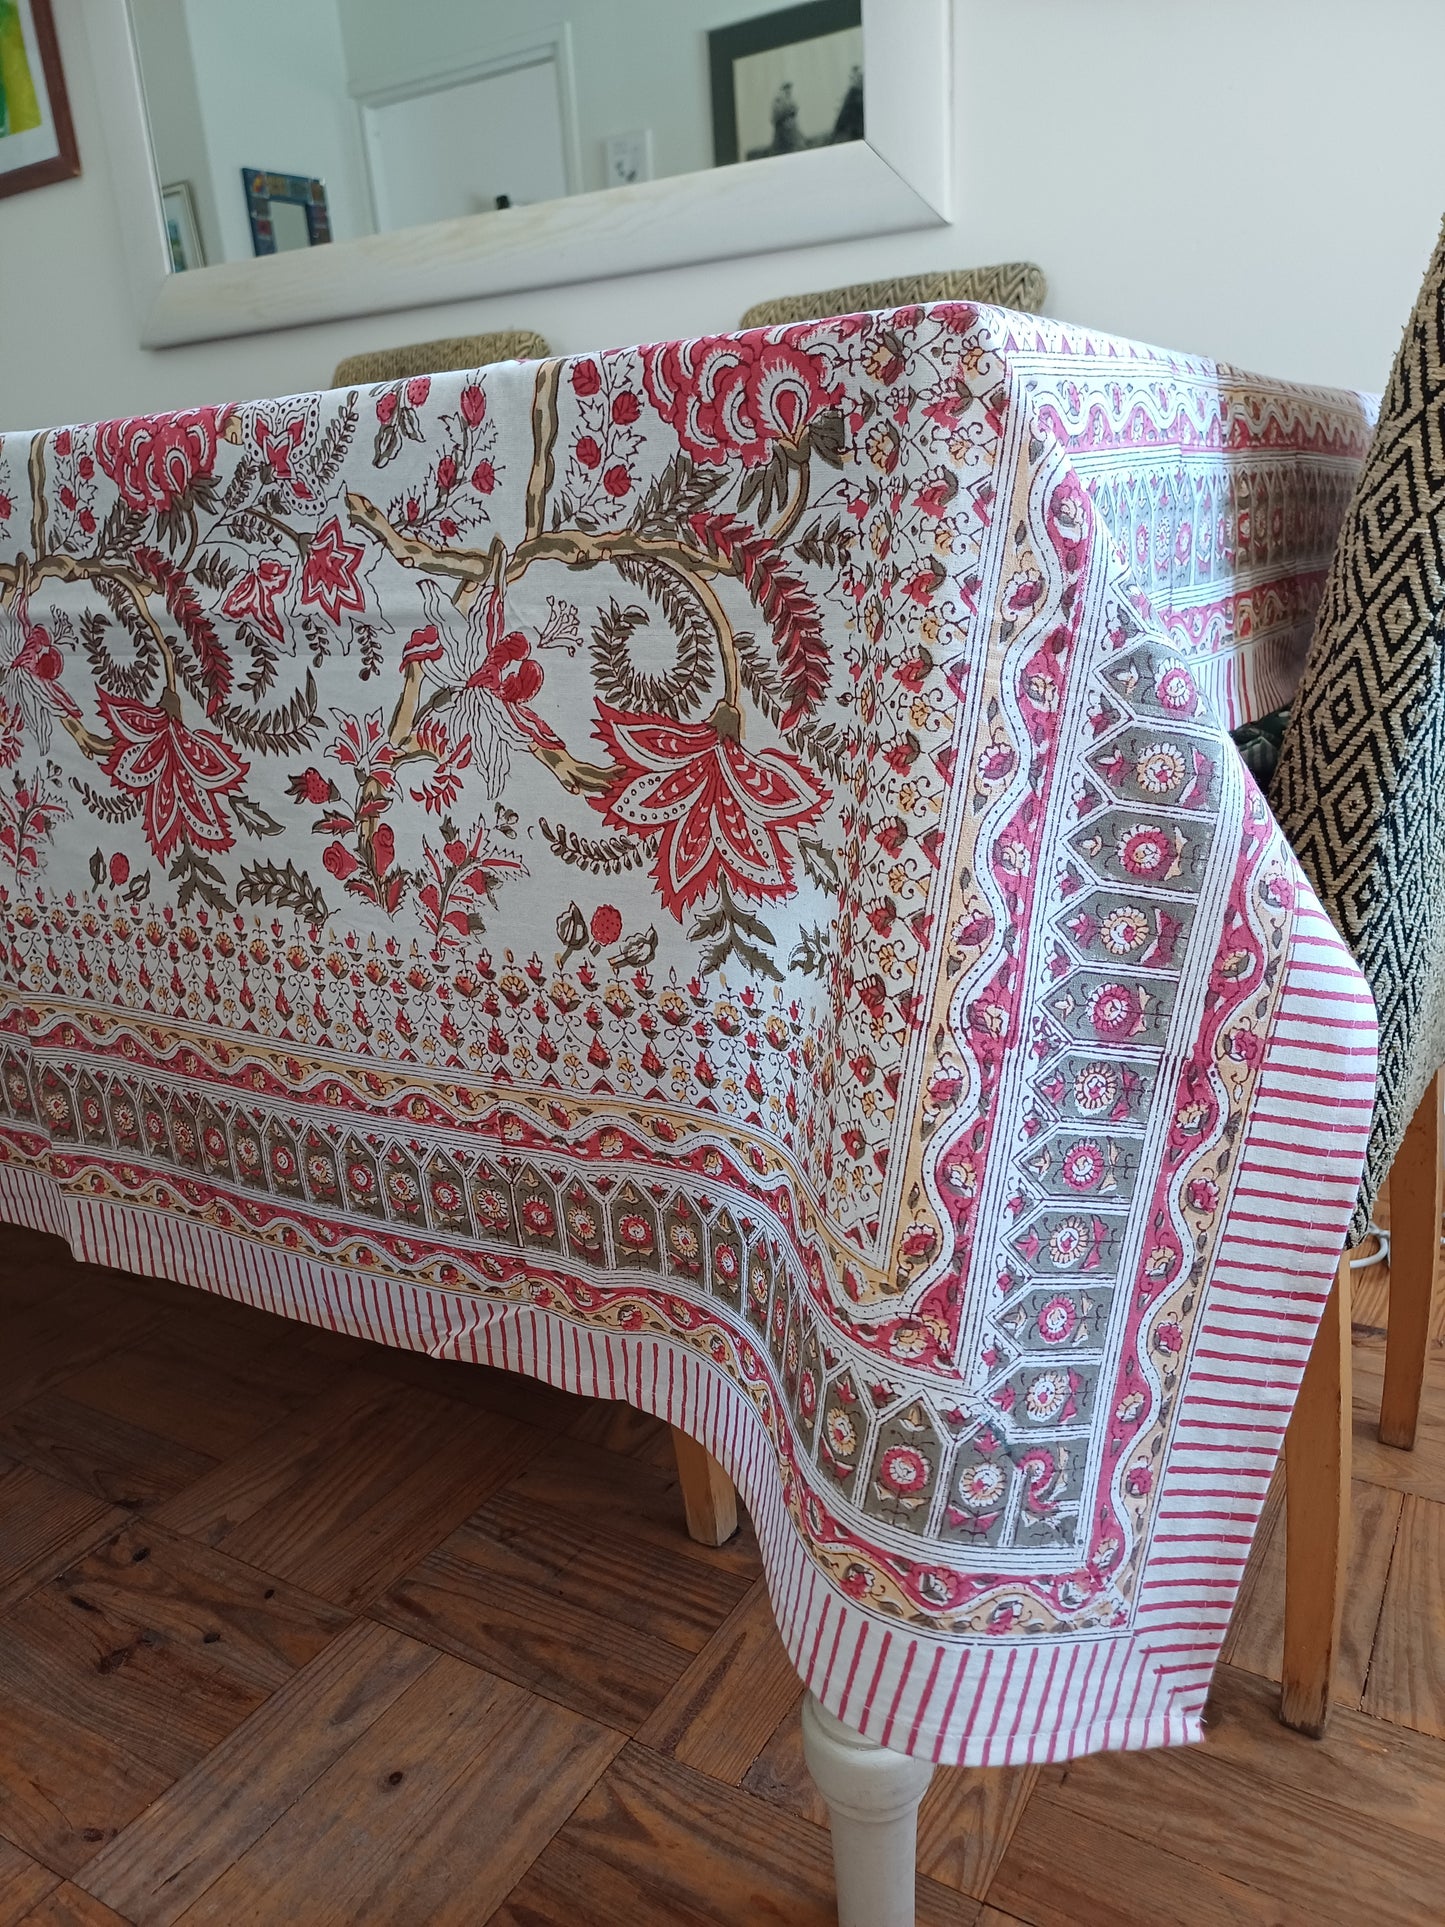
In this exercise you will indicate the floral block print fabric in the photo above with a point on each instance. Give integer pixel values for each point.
(714, 874)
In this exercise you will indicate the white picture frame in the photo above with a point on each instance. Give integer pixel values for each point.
(183, 229)
(898, 178)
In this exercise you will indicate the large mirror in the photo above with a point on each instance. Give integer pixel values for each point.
(305, 159)
(387, 114)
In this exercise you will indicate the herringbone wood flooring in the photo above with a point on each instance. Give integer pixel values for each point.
(295, 1630)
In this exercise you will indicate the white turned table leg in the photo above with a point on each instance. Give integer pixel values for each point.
(872, 1795)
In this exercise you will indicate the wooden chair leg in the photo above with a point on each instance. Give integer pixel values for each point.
(709, 1497)
(1415, 1201)
(1317, 1518)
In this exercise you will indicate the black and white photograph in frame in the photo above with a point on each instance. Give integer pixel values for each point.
(788, 81)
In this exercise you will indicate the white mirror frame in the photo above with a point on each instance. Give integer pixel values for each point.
(899, 178)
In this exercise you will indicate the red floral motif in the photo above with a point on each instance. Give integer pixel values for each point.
(181, 775)
(1046, 1396)
(736, 395)
(362, 745)
(340, 861)
(37, 660)
(981, 1486)
(460, 879)
(636, 1232)
(1083, 1165)
(278, 443)
(538, 1218)
(1116, 1010)
(310, 787)
(1057, 1320)
(718, 812)
(253, 598)
(606, 924)
(903, 1471)
(27, 819)
(1149, 852)
(919, 1241)
(1243, 1046)
(492, 1212)
(509, 669)
(155, 460)
(329, 573)
(1203, 1194)
(1174, 687)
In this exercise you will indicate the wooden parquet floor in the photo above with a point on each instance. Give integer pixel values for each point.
(299, 1632)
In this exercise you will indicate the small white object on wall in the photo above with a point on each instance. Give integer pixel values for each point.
(628, 157)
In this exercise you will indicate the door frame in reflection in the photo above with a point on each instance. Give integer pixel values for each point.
(539, 46)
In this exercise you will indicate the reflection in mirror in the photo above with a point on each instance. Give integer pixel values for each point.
(290, 227)
(287, 211)
(422, 111)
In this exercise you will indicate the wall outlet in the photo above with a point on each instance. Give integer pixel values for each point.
(628, 157)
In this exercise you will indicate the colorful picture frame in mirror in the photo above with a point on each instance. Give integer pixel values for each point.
(37, 135)
(288, 211)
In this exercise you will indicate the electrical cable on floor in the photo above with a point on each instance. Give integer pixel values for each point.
(1380, 1255)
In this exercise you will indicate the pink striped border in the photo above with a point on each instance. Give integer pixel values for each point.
(974, 1701)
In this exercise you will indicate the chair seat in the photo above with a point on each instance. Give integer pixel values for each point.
(441, 357)
(1008, 284)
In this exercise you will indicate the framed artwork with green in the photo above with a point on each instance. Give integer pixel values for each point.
(37, 136)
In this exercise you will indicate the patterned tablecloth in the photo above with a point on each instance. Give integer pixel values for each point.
(713, 874)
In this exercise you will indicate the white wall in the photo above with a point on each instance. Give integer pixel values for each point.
(1257, 179)
(272, 79)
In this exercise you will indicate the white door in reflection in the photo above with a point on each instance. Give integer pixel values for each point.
(457, 149)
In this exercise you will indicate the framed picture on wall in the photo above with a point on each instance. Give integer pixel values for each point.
(37, 137)
(784, 82)
(183, 230)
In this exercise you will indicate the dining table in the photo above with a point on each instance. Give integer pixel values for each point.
(715, 874)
